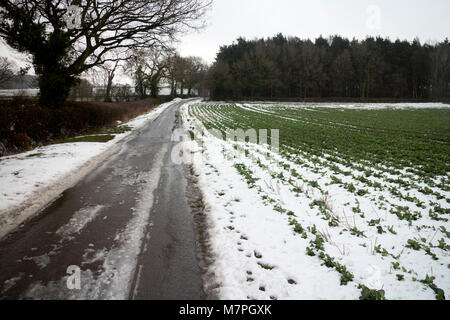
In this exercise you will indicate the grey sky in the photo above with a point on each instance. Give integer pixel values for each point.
(404, 19)
(229, 19)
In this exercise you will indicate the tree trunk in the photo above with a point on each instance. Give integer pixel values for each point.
(108, 89)
(110, 73)
(154, 88)
(54, 86)
(172, 88)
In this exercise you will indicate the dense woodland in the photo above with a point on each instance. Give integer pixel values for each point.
(281, 67)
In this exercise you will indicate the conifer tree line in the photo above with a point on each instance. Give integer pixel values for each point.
(282, 67)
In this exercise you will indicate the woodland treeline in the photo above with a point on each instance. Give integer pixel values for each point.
(282, 67)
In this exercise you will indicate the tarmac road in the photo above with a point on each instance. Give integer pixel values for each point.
(126, 228)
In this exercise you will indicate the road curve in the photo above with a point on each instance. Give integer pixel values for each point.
(126, 231)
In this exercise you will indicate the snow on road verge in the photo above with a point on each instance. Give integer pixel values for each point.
(30, 180)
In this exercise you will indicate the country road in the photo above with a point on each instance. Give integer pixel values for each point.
(126, 229)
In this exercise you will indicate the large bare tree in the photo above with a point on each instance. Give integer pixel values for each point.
(147, 67)
(62, 46)
(109, 72)
(196, 70)
(6, 70)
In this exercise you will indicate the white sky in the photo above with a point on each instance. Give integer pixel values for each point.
(404, 19)
(230, 19)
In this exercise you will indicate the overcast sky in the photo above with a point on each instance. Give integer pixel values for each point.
(230, 19)
(404, 19)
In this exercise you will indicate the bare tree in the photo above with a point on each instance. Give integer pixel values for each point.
(195, 73)
(147, 67)
(185, 73)
(172, 74)
(103, 77)
(6, 70)
(62, 51)
(178, 69)
(109, 72)
(122, 93)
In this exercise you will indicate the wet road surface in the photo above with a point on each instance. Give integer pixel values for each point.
(126, 229)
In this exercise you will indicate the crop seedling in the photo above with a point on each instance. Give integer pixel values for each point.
(371, 294)
(406, 179)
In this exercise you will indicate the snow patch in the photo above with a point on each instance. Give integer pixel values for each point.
(119, 263)
(79, 220)
(31, 180)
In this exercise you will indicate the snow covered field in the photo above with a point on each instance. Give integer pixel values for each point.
(19, 92)
(354, 205)
(28, 181)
